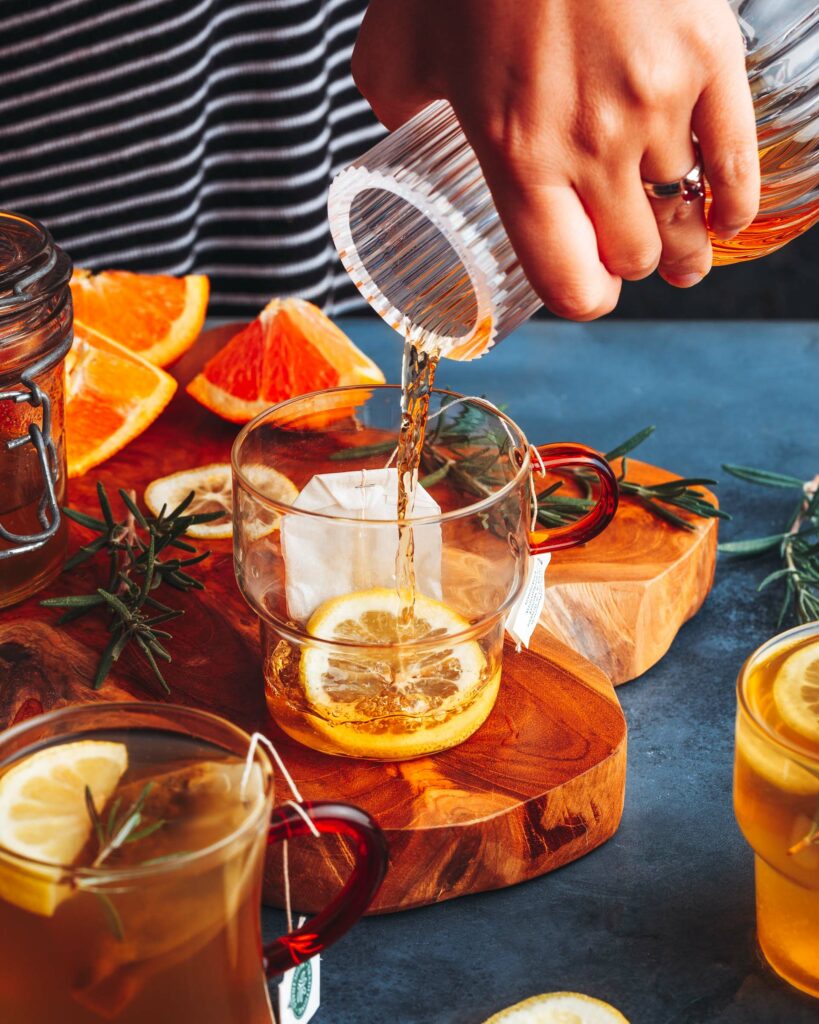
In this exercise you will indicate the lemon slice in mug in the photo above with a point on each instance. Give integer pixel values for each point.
(44, 817)
(212, 488)
(796, 692)
(559, 1008)
(388, 700)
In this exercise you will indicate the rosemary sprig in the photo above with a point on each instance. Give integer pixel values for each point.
(133, 546)
(112, 833)
(465, 449)
(120, 826)
(797, 545)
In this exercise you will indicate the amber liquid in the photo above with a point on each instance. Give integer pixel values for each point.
(187, 945)
(773, 228)
(776, 798)
(417, 379)
(21, 485)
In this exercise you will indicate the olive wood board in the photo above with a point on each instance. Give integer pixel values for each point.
(540, 784)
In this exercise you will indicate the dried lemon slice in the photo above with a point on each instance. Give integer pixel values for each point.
(44, 817)
(796, 692)
(559, 1008)
(213, 492)
(382, 699)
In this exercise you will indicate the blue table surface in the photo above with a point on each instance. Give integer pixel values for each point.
(660, 920)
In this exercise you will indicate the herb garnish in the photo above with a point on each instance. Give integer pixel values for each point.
(118, 828)
(133, 546)
(797, 545)
(465, 448)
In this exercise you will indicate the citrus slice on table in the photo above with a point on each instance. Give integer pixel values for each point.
(155, 315)
(213, 492)
(385, 700)
(112, 395)
(559, 1008)
(290, 349)
(44, 816)
(796, 692)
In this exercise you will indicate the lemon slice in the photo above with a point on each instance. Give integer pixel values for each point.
(559, 1008)
(385, 700)
(796, 692)
(44, 817)
(213, 492)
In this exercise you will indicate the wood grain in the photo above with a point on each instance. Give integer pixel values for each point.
(620, 599)
(540, 784)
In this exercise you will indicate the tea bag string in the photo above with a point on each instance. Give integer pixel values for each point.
(256, 740)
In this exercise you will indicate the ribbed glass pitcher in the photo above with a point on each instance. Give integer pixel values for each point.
(417, 230)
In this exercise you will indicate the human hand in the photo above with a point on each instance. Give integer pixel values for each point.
(568, 104)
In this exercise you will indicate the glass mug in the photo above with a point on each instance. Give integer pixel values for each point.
(344, 672)
(165, 928)
(776, 798)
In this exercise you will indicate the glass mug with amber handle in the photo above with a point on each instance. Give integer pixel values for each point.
(315, 543)
(165, 927)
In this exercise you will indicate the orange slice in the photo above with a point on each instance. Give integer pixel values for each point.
(157, 316)
(112, 395)
(290, 349)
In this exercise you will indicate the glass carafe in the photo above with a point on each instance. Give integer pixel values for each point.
(417, 230)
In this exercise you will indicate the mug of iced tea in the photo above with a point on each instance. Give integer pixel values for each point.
(382, 635)
(776, 797)
(132, 843)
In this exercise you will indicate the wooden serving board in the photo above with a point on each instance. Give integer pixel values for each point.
(540, 784)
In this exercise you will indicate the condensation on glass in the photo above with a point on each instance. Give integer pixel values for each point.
(417, 230)
(35, 337)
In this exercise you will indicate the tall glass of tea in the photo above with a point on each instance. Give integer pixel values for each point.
(132, 842)
(776, 797)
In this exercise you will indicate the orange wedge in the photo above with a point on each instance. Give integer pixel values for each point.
(112, 395)
(157, 316)
(291, 348)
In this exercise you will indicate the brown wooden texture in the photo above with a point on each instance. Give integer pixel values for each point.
(620, 599)
(539, 785)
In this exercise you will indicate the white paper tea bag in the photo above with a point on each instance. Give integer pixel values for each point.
(324, 560)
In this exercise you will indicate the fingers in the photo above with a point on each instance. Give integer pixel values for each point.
(396, 89)
(686, 247)
(723, 121)
(627, 238)
(555, 242)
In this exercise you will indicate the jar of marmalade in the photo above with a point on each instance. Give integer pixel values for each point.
(35, 336)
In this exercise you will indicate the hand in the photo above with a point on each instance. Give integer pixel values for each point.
(568, 104)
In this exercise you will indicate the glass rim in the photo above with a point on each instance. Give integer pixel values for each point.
(768, 647)
(113, 875)
(522, 471)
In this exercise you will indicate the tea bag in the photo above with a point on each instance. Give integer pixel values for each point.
(325, 560)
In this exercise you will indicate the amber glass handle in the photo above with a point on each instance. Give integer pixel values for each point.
(342, 913)
(559, 458)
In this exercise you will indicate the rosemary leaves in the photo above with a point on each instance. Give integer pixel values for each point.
(796, 546)
(133, 547)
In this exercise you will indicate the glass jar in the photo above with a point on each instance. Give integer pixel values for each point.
(35, 336)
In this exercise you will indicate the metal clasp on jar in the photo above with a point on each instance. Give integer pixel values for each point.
(40, 438)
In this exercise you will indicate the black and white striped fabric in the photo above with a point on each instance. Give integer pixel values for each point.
(180, 136)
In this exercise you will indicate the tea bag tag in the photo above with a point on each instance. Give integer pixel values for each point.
(325, 559)
(525, 612)
(300, 990)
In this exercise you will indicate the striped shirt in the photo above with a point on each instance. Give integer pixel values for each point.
(180, 136)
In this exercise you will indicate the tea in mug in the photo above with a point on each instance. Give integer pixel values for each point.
(130, 877)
